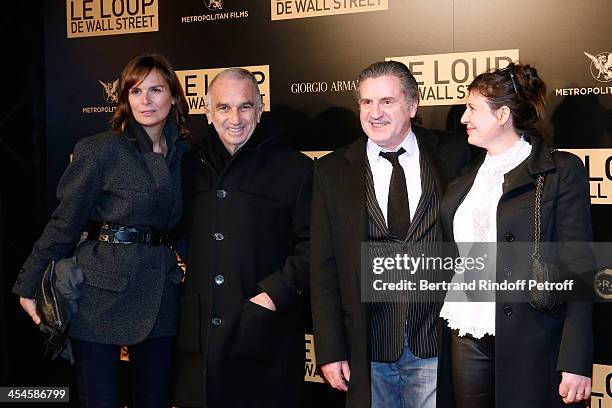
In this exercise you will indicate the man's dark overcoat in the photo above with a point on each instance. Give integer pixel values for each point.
(338, 228)
(248, 230)
(532, 347)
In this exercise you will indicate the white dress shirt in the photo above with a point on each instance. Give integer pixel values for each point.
(476, 221)
(382, 168)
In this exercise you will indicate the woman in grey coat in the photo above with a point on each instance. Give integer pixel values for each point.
(123, 187)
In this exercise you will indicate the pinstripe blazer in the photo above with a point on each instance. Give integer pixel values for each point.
(338, 227)
(390, 317)
(129, 290)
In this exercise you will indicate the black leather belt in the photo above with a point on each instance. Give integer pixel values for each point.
(119, 234)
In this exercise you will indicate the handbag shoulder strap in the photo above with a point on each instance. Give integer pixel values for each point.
(537, 217)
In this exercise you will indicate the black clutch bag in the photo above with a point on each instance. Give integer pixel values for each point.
(56, 303)
(52, 316)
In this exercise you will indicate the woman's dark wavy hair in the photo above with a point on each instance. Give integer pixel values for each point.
(134, 73)
(518, 87)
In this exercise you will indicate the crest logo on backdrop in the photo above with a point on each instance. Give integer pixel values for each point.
(111, 90)
(214, 5)
(110, 94)
(214, 12)
(603, 283)
(601, 66)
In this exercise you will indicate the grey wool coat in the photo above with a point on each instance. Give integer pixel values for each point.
(129, 291)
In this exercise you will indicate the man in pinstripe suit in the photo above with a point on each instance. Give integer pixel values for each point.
(385, 188)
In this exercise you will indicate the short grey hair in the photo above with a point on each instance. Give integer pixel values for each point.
(410, 88)
(236, 73)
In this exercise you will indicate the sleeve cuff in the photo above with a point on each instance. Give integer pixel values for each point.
(25, 287)
(281, 290)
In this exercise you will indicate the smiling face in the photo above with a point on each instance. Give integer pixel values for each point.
(482, 123)
(234, 111)
(384, 111)
(150, 102)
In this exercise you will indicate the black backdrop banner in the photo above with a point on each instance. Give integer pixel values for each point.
(306, 55)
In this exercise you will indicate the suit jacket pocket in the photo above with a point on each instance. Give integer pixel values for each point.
(188, 338)
(258, 334)
(104, 280)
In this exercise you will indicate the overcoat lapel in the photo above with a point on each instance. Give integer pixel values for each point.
(141, 149)
(515, 179)
(426, 196)
(352, 185)
(428, 141)
(539, 161)
(428, 162)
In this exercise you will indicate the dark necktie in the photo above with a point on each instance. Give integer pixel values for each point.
(398, 207)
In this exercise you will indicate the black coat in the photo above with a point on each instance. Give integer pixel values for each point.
(247, 231)
(338, 229)
(129, 290)
(532, 347)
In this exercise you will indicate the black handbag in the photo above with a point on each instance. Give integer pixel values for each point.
(56, 303)
(543, 300)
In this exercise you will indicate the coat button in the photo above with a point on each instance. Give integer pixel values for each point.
(508, 271)
(507, 310)
(18, 281)
(219, 279)
(221, 194)
(216, 321)
(509, 237)
(219, 236)
(22, 270)
(299, 292)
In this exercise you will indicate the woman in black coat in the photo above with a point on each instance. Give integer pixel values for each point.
(123, 187)
(508, 353)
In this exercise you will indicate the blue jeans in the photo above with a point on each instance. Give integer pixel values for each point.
(409, 382)
(98, 366)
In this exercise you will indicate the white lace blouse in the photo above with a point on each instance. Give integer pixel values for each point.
(476, 221)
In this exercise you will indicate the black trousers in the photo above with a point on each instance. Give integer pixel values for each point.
(98, 366)
(473, 362)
